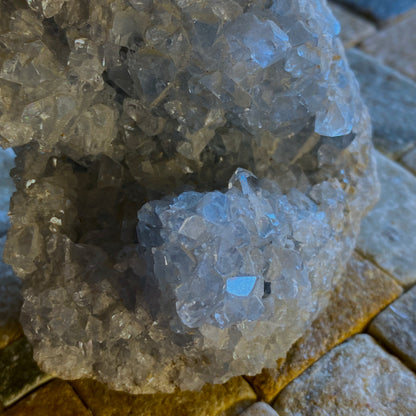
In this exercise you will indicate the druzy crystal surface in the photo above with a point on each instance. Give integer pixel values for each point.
(191, 176)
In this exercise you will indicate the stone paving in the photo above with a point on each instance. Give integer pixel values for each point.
(355, 378)
(359, 356)
(387, 46)
(380, 10)
(391, 101)
(388, 233)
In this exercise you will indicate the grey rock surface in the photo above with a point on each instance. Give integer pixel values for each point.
(395, 327)
(143, 262)
(260, 409)
(384, 45)
(409, 160)
(381, 10)
(388, 232)
(354, 379)
(391, 101)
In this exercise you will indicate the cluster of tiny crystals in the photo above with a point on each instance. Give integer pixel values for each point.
(190, 175)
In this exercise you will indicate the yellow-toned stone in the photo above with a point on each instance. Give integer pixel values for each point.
(363, 291)
(227, 399)
(57, 398)
(19, 374)
(10, 333)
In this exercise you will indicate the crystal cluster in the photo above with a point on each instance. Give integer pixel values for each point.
(232, 257)
(190, 176)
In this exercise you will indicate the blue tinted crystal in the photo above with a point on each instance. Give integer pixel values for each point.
(241, 285)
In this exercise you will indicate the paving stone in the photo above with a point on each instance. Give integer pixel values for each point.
(409, 160)
(381, 10)
(19, 374)
(395, 45)
(395, 327)
(391, 100)
(57, 398)
(388, 232)
(357, 378)
(354, 28)
(259, 409)
(227, 399)
(9, 333)
(363, 292)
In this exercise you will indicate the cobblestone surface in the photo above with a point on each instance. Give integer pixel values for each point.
(388, 233)
(381, 10)
(409, 160)
(57, 398)
(395, 327)
(395, 46)
(260, 409)
(391, 100)
(19, 374)
(357, 377)
(10, 332)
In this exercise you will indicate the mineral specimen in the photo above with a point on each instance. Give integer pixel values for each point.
(190, 175)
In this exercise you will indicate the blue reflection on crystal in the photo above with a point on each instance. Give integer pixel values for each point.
(273, 219)
(241, 285)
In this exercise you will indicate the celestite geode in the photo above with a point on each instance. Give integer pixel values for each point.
(191, 176)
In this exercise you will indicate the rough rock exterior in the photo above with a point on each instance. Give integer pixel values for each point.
(143, 263)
